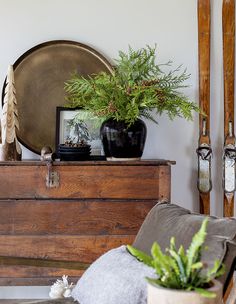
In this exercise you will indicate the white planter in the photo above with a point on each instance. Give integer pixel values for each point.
(160, 295)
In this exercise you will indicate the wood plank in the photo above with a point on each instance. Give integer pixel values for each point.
(36, 272)
(12, 275)
(72, 217)
(45, 263)
(34, 281)
(84, 249)
(122, 182)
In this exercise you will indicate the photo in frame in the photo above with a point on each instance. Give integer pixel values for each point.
(76, 125)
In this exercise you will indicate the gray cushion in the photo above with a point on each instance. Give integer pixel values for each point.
(115, 278)
(166, 220)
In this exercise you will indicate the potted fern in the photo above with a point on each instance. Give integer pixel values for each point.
(181, 276)
(137, 88)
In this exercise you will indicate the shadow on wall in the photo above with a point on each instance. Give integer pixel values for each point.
(217, 196)
(191, 154)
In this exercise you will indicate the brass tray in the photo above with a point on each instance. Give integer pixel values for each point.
(40, 74)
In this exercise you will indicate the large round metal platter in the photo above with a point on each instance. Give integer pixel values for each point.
(40, 74)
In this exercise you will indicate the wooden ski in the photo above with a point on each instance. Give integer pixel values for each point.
(204, 150)
(229, 153)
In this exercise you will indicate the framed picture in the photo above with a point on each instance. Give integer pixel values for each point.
(76, 125)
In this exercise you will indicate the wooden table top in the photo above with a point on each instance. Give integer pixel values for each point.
(143, 162)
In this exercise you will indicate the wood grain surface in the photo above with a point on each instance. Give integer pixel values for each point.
(204, 202)
(48, 232)
(228, 22)
(72, 217)
(47, 251)
(204, 38)
(11, 275)
(83, 249)
(117, 182)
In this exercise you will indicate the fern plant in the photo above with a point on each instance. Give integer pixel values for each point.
(136, 88)
(179, 269)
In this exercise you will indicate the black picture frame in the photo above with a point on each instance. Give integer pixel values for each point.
(65, 129)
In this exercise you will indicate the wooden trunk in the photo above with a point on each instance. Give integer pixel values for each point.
(50, 228)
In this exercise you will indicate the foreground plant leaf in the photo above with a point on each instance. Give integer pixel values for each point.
(141, 256)
(180, 270)
(205, 293)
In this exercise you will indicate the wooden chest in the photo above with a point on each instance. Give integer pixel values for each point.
(59, 225)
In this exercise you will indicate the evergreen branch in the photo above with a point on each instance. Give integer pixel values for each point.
(136, 87)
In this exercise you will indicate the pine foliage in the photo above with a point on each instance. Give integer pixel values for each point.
(136, 87)
(179, 269)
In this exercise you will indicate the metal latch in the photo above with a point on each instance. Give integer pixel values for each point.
(52, 177)
(204, 182)
(229, 157)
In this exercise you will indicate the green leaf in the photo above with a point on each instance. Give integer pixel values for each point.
(172, 244)
(156, 282)
(181, 267)
(158, 267)
(205, 293)
(181, 253)
(156, 250)
(141, 256)
(214, 269)
(197, 265)
(220, 271)
(160, 259)
(217, 270)
(194, 250)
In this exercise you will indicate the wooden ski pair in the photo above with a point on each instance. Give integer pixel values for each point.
(204, 150)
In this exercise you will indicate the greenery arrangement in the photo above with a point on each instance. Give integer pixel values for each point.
(179, 269)
(136, 87)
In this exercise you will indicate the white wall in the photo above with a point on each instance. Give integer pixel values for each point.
(112, 25)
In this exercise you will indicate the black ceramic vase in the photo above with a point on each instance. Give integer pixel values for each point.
(123, 142)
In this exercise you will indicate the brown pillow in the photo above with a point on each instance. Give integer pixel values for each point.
(166, 220)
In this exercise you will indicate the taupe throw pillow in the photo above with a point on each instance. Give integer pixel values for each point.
(166, 220)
